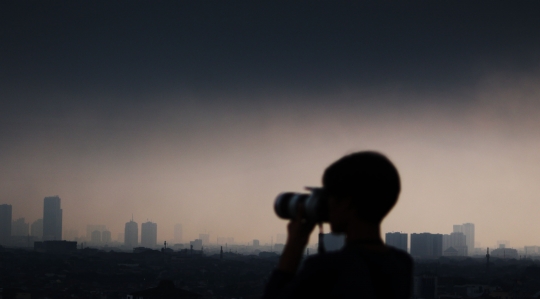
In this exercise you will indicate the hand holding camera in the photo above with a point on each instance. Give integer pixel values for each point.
(305, 211)
(312, 206)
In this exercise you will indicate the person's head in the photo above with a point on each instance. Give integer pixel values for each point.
(364, 185)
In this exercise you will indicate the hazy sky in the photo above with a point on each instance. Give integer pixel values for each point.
(201, 113)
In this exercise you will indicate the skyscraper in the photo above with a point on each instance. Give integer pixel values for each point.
(95, 237)
(52, 219)
(90, 228)
(397, 240)
(131, 234)
(5, 224)
(106, 236)
(457, 241)
(426, 245)
(205, 238)
(178, 233)
(468, 230)
(36, 229)
(148, 234)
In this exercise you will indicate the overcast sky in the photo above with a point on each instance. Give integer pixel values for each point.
(201, 112)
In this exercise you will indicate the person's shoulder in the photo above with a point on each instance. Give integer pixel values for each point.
(400, 256)
(321, 260)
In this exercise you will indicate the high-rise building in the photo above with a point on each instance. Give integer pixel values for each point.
(256, 243)
(20, 227)
(96, 237)
(205, 238)
(5, 224)
(90, 228)
(106, 236)
(178, 233)
(149, 234)
(468, 230)
(457, 241)
(131, 234)
(397, 240)
(36, 229)
(426, 245)
(52, 219)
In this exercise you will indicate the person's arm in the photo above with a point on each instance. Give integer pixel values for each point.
(297, 239)
(299, 231)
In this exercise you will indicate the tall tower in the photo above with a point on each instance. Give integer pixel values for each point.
(36, 229)
(426, 245)
(106, 236)
(131, 234)
(148, 234)
(397, 240)
(52, 218)
(178, 233)
(5, 224)
(468, 231)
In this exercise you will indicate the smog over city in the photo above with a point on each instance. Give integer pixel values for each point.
(201, 113)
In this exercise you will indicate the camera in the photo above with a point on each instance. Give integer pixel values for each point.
(315, 205)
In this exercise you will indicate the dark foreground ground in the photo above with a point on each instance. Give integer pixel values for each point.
(90, 273)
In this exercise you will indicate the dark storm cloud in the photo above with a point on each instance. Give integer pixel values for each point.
(202, 111)
(129, 48)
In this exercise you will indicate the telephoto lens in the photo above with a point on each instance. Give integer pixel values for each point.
(315, 205)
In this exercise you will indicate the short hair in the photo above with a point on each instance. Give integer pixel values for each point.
(369, 178)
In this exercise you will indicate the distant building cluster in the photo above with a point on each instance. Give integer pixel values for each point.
(430, 246)
(19, 233)
(397, 240)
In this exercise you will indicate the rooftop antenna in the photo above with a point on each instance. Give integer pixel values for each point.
(131, 217)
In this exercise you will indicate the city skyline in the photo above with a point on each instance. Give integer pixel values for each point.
(460, 238)
(468, 229)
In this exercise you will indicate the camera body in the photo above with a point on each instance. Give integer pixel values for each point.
(315, 205)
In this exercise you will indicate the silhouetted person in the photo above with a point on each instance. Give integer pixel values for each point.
(363, 187)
